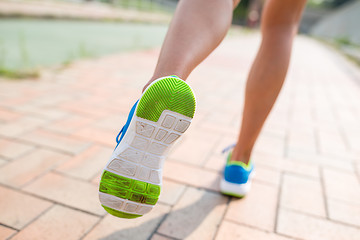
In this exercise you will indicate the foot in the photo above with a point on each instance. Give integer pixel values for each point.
(237, 177)
(131, 182)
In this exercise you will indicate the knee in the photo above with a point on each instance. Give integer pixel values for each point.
(280, 26)
(282, 17)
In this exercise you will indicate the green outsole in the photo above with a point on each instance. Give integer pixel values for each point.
(127, 188)
(169, 93)
(119, 214)
(233, 194)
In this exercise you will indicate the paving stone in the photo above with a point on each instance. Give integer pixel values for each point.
(271, 145)
(111, 227)
(20, 126)
(96, 179)
(6, 232)
(298, 152)
(8, 115)
(196, 216)
(310, 136)
(12, 149)
(45, 112)
(113, 123)
(230, 230)
(160, 237)
(301, 168)
(266, 175)
(219, 129)
(216, 162)
(302, 226)
(97, 135)
(221, 117)
(342, 185)
(58, 223)
(225, 143)
(357, 166)
(322, 160)
(344, 212)
(70, 124)
(354, 142)
(301, 114)
(193, 176)
(194, 147)
(18, 209)
(2, 161)
(303, 195)
(56, 141)
(25, 97)
(72, 192)
(277, 130)
(331, 143)
(171, 192)
(86, 109)
(257, 209)
(87, 164)
(30, 166)
(302, 141)
(305, 168)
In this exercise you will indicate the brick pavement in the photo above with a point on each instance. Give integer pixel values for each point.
(57, 132)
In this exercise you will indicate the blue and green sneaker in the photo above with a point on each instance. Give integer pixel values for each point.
(237, 177)
(131, 181)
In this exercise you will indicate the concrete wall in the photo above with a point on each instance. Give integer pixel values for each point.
(342, 23)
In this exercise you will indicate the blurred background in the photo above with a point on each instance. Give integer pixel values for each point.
(70, 70)
(30, 29)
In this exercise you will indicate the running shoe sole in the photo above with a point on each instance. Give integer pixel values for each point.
(235, 189)
(131, 181)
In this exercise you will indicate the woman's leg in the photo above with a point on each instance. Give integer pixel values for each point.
(280, 22)
(196, 30)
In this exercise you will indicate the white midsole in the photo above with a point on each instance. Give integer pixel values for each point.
(140, 146)
(141, 154)
(235, 188)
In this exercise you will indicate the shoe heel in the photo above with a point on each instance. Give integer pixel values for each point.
(169, 93)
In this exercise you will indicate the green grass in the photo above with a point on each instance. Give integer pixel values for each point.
(17, 74)
(344, 46)
(29, 44)
(343, 41)
(142, 5)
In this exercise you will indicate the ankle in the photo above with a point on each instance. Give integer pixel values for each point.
(241, 156)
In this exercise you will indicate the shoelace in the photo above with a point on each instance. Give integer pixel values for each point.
(228, 148)
(118, 136)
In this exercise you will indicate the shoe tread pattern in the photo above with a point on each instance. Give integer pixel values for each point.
(166, 94)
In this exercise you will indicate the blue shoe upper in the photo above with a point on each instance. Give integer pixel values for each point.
(122, 132)
(237, 172)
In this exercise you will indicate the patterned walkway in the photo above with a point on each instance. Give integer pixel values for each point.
(57, 132)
